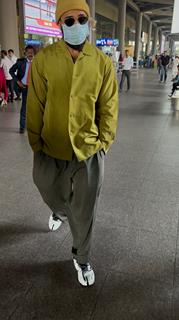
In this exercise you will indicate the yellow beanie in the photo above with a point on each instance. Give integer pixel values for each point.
(66, 5)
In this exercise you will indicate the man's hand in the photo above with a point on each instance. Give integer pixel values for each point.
(20, 84)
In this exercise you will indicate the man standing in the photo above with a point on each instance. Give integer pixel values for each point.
(20, 72)
(165, 60)
(6, 64)
(126, 72)
(72, 114)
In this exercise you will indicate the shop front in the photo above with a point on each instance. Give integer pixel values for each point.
(109, 47)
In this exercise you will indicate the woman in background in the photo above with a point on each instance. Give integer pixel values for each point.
(3, 89)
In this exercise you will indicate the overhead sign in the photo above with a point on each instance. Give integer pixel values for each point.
(107, 42)
(40, 17)
(33, 42)
(175, 23)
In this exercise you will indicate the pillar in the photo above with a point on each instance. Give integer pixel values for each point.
(154, 48)
(148, 50)
(21, 26)
(92, 5)
(172, 47)
(114, 31)
(9, 38)
(121, 25)
(160, 42)
(138, 35)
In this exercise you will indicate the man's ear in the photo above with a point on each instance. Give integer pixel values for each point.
(60, 24)
(92, 23)
(61, 28)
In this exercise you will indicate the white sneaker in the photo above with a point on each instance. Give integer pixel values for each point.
(54, 222)
(86, 276)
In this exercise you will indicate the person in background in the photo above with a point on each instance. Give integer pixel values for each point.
(141, 62)
(13, 59)
(20, 72)
(12, 56)
(159, 63)
(72, 113)
(165, 60)
(175, 83)
(153, 62)
(126, 71)
(175, 64)
(3, 89)
(6, 64)
(120, 61)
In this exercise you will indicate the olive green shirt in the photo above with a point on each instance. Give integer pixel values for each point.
(72, 107)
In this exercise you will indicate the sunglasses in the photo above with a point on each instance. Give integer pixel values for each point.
(71, 21)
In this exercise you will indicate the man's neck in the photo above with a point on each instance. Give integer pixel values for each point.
(75, 50)
(74, 53)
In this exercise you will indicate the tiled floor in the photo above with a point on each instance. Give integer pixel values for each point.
(136, 239)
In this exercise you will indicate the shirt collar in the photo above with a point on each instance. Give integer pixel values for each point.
(29, 61)
(87, 50)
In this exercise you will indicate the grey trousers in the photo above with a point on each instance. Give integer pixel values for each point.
(127, 74)
(72, 189)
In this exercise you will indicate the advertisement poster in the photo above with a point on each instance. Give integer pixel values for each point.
(40, 18)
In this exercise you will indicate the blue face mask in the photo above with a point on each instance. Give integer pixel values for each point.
(76, 34)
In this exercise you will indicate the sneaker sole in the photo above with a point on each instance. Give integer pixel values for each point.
(54, 225)
(86, 280)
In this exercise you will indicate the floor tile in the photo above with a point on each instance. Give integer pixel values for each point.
(126, 297)
(134, 251)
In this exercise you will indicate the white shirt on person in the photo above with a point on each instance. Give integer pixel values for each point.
(128, 63)
(13, 59)
(6, 64)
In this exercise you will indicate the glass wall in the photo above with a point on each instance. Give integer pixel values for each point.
(105, 28)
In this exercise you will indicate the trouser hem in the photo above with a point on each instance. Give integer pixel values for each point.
(81, 259)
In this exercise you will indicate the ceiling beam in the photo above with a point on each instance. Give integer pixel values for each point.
(156, 18)
(165, 24)
(164, 14)
(153, 7)
(161, 14)
(165, 2)
(133, 5)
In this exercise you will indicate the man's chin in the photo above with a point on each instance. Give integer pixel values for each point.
(78, 47)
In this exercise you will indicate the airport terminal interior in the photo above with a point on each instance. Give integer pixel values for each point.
(135, 244)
